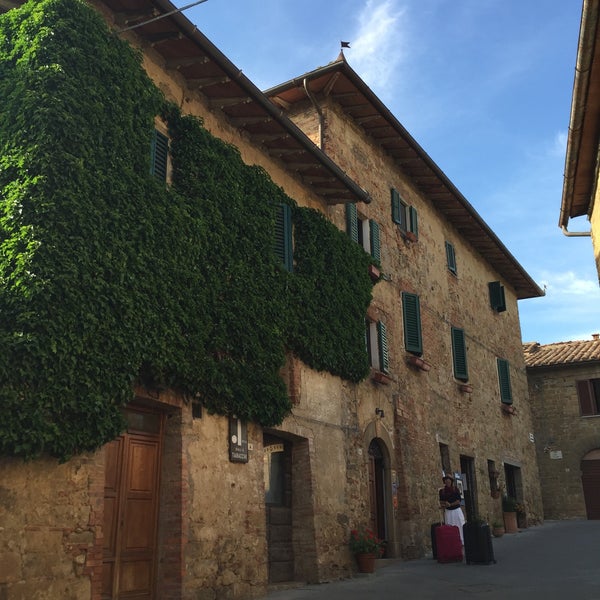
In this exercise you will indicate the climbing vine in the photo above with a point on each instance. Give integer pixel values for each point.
(107, 276)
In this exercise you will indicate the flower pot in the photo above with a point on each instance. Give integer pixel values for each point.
(498, 531)
(522, 521)
(365, 562)
(510, 522)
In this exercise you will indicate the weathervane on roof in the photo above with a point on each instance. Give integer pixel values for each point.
(345, 45)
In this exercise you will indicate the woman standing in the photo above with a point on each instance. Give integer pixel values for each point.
(450, 501)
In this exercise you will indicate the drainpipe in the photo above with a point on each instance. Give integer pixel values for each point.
(575, 233)
(318, 109)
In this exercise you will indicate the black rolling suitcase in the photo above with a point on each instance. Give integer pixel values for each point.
(434, 526)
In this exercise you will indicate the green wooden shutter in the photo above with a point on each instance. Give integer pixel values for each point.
(159, 155)
(396, 207)
(459, 354)
(352, 222)
(283, 236)
(497, 298)
(375, 240)
(411, 315)
(451, 257)
(504, 381)
(384, 358)
(413, 220)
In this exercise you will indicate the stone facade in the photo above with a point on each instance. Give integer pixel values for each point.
(424, 409)
(565, 436)
(353, 454)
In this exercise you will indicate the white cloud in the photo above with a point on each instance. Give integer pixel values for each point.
(569, 283)
(380, 43)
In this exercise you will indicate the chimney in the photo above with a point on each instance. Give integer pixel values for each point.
(595, 336)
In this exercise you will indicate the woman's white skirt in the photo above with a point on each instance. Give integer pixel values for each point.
(455, 517)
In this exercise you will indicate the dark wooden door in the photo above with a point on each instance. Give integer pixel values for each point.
(377, 490)
(131, 510)
(590, 479)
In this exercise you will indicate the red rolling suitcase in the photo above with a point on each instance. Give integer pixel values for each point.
(448, 544)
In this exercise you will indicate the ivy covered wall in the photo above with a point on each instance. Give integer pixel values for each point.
(107, 276)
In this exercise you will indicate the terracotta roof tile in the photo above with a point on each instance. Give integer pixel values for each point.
(561, 353)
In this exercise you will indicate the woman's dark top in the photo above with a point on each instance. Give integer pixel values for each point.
(450, 495)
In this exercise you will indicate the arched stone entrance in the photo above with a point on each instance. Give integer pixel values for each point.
(382, 485)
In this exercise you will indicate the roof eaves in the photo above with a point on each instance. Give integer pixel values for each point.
(189, 29)
(341, 65)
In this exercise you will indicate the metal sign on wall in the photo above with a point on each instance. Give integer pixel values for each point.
(238, 440)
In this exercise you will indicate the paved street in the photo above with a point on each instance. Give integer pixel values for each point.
(559, 560)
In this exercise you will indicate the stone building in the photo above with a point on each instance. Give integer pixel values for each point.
(580, 187)
(455, 393)
(190, 503)
(564, 388)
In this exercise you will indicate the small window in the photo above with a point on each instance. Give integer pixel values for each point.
(504, 381)
(459, 354)
(283, 237)
(588, 392)
(411, 315)
(159, 155)
(403, 215)
(363, 231)
(497, 298)
(451, 258)
(377, 345)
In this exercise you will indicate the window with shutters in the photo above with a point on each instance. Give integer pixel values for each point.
(411, 316)
(159, 156)
(451, 258)
(497, 298)
(504, 381)
(588, 391)
(459, 354)
(377, 345)
(363, 231)
(283, 237)
(403, 215)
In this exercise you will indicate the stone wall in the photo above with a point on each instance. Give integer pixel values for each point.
(424, 409)
(564, 437)
(50, 528)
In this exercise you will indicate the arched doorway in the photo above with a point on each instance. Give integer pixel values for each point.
(377, 489)
(590, 481)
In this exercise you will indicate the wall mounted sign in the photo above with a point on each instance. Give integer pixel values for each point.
(238, 440)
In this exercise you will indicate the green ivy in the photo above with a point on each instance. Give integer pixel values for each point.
(107, 276)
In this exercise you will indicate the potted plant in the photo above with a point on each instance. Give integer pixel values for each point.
(498, 528)
(509, 512)
(478, 542)
(366, 547)
(521, 510)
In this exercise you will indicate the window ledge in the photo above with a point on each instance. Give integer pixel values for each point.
(508, 409)
(380, 377)
(409, 236)
(466, 388)
(374, 273)
(419, 363)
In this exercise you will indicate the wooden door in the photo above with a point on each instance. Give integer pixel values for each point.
(590, 479)
(377, 494)
(131, 510)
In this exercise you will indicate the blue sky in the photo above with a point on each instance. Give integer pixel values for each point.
(484, 86)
